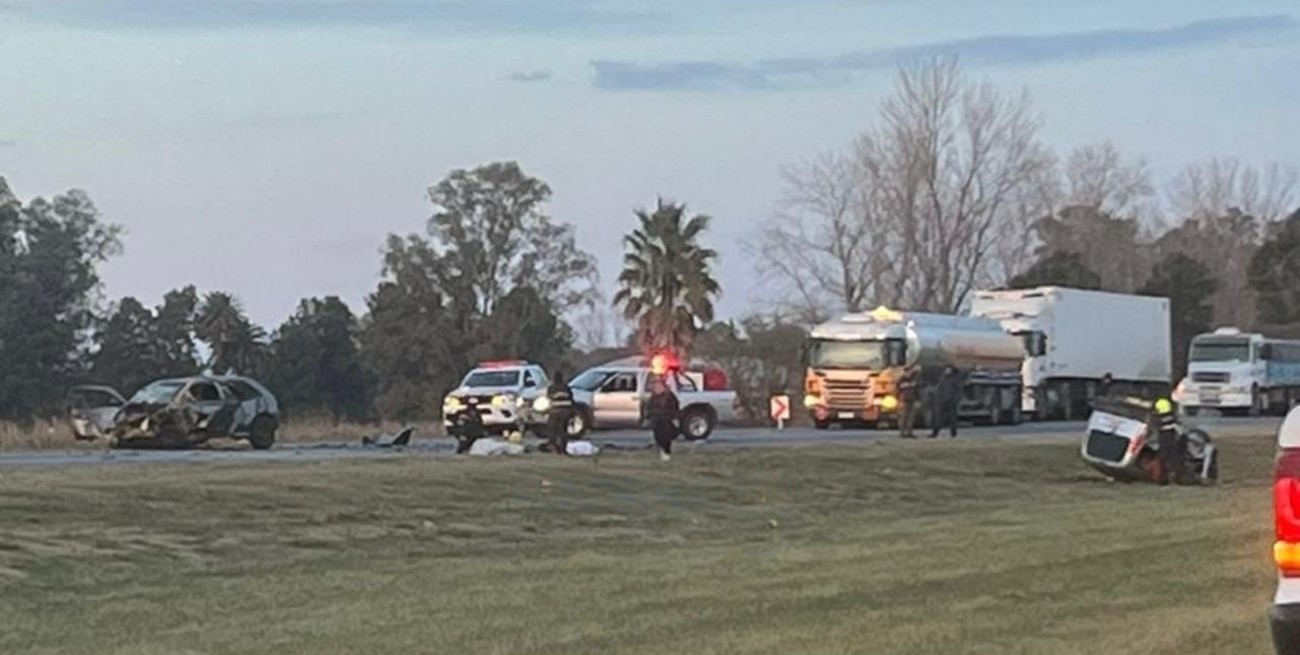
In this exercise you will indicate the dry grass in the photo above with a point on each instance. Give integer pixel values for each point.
(976, 547)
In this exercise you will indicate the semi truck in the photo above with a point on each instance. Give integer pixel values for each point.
(1240, 372)
(1073, 338)
(854, 365)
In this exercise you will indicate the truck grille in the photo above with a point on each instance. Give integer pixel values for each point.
(1106, 446)
(848, 393)
(1219, 378)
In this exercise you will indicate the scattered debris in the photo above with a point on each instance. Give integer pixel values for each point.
(401, 440)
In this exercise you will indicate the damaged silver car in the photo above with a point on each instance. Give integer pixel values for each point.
(182, 412)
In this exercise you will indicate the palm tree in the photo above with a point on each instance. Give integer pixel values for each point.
(666, 285)
(237, 344)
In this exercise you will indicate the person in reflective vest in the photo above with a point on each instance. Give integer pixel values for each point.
(1170, 442)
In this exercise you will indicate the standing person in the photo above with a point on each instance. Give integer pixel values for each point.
(907, 397)
(946, 399)
(663, 410)
(561, 412)
(1103, 387)
(1170, 442)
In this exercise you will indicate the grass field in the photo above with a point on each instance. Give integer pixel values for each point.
(910, 548)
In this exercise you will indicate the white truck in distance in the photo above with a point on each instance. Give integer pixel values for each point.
(1075, 337)
(612, 397)
(1234, 371)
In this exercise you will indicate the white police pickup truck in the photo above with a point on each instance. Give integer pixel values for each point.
(502, 392)
(612, 397)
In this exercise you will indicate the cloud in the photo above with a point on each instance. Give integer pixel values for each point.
(990, 50)
(530, 76)
(457, 15)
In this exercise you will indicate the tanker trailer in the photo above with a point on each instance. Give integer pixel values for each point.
(854, 365)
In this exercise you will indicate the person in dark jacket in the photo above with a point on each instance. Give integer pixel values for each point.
(1103, 387)
(561, 412)
(1171, 444)
(908, 400)
(662, 412)
(467, 426)
(946, 398)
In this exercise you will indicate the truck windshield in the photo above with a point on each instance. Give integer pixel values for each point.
(870, 355)
(1221, 351)
(508, 378)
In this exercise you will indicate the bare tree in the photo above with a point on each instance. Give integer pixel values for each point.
(1098, 177)
(954, 163)
(1213, 188)
(1222, 210)
(819, 250)
(936, 200)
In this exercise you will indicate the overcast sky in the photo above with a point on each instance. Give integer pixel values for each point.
(266, 147)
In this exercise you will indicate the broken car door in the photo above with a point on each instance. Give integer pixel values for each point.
(215, 408)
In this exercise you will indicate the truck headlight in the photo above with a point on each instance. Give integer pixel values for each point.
(889, 403)
(542, 404)
(451, 404)
(812, 400)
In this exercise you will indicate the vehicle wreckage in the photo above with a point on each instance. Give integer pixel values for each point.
(178, 413)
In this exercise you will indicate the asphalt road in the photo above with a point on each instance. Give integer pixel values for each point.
(621, 440)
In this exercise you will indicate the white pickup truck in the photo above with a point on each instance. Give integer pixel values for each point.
(612, 397)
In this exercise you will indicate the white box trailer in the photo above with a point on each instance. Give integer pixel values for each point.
(1073, 338)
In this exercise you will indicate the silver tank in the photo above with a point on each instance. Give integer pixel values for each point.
(935, 340)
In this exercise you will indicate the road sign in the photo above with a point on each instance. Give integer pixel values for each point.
(779, 407)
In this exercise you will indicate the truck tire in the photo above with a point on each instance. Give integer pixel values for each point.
(697, 423)
(579, 423)
(821, 425)
(261, 435)
(1256, 402)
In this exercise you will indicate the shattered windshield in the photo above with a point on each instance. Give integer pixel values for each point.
(508, 378)
(161, 391)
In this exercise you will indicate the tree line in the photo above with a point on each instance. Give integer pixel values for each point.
(951, 191)
(492, 276)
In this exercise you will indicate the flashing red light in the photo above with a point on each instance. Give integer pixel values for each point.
(662, 363)
(503, 363)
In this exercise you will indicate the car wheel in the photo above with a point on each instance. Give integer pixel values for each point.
(697, 424)
(579, 423)
(261, 435)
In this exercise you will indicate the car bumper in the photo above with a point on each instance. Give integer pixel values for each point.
(1284, 621)
(1225, 400)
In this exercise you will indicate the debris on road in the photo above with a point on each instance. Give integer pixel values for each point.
(400, 440)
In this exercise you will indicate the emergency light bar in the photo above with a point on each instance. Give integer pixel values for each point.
(503, 363)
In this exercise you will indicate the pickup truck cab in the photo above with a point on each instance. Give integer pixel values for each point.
(613, 396)
(503, 393)
(1285, 615)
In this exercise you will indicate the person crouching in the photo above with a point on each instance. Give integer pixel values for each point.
(662, 411)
